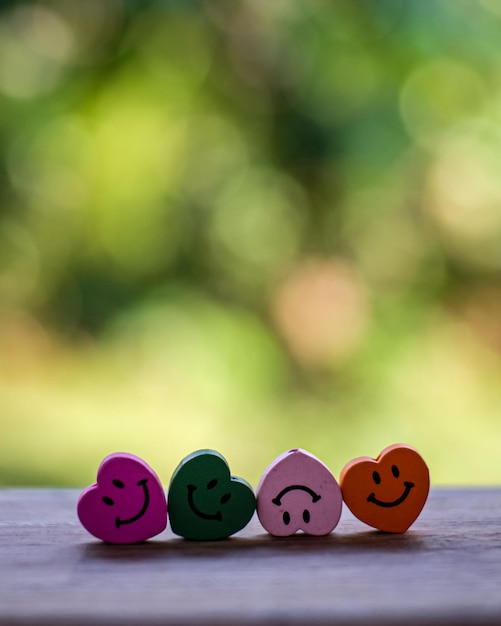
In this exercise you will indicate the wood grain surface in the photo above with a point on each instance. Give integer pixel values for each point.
(445, 570)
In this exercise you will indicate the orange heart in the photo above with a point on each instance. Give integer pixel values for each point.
(389, 492)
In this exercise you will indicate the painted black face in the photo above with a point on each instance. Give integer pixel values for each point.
(376, 477)
(315, 497)
(146, 502)
(217, 515)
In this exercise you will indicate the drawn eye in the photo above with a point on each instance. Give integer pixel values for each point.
(287, 518)
(107, 501)
(306, 516)
(395, 471)
(212, 483)
(225, 498)
(376, 477)
(118, 483)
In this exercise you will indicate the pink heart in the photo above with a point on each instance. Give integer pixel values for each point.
(298, 492)
(127, 504)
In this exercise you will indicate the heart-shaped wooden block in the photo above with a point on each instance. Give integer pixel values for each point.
(389, 492)
(298, 492)
(127, 504)
(205, 502)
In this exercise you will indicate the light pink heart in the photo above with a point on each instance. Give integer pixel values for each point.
(127, 504)
(298, 492)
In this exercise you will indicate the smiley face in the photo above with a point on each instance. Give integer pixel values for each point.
(127, 504)
(146, 501)
(216, 515)
(389, 492)
(205, 502)
(298, 492)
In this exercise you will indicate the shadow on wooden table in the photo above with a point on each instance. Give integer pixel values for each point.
(256, 546)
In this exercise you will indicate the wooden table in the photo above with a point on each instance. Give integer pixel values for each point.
(445, 570)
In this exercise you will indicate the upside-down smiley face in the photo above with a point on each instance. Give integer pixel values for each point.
(389, 492)
(297, 492)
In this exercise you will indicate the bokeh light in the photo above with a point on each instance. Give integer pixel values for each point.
(249, 226)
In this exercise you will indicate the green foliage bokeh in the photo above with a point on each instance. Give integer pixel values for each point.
(249, 225)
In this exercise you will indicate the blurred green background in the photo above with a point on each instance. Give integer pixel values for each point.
(249, 225)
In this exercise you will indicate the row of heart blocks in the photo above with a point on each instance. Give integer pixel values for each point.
(297, 492)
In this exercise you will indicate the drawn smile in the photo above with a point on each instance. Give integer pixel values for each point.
(408, 486)
(314, 496)
(121, 522)
(216, 516)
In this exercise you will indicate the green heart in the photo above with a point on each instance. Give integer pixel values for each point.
(205, 502)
